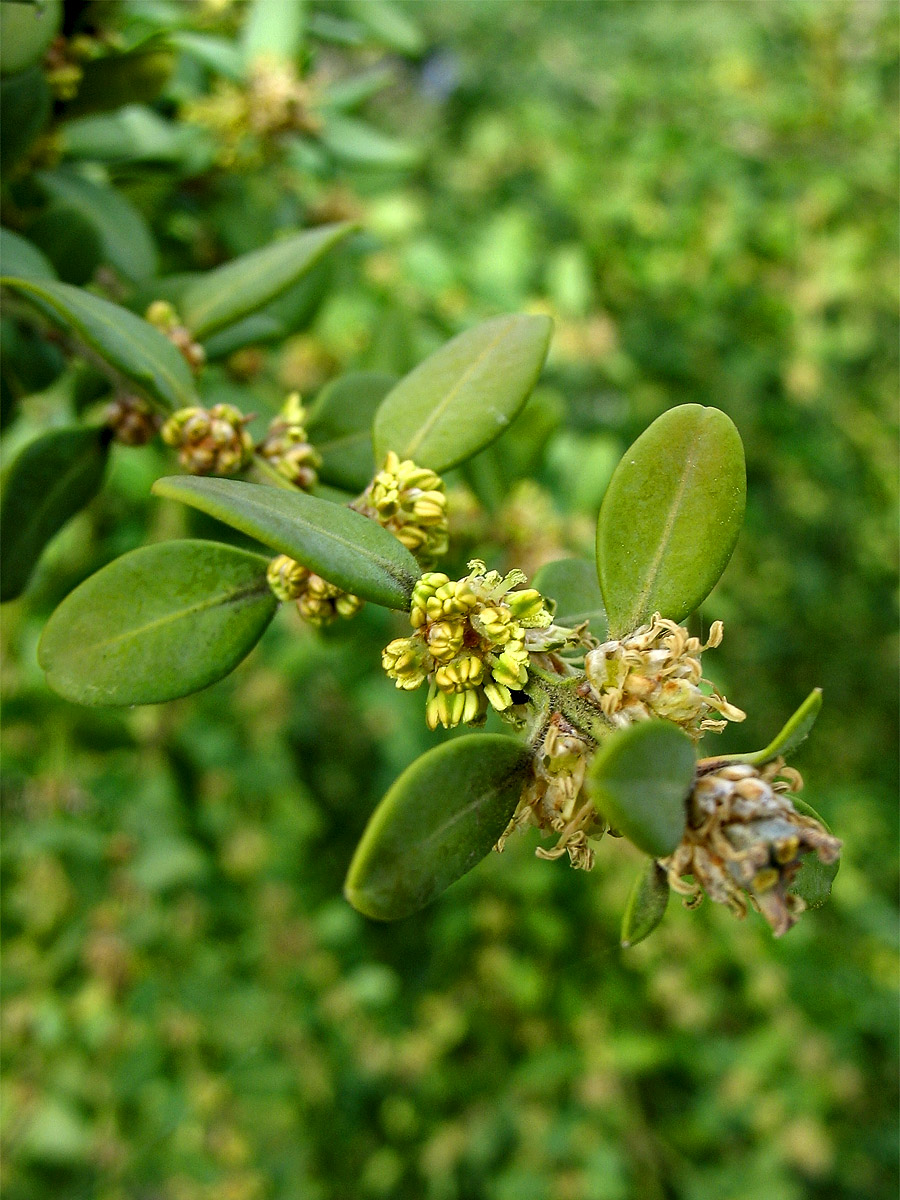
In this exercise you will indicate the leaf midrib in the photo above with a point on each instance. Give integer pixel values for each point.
(653, 570)
(438, 411)
(222, 599)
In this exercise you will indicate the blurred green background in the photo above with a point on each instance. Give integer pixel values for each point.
(704, 196)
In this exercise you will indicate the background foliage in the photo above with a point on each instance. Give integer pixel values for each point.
(703, 195)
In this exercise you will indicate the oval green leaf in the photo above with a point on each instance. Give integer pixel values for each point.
(125, 238)
(572, 583)
(813, 881)
(157, 623)
(440, 818)
(19, 257)
(463, 397)
(670, 518)
(229, 293)
(273, 29)
(26, 103)
(646, 905)
(337, 543)
(47, 483)
(340, 427)
(640, 779)
(126, 343)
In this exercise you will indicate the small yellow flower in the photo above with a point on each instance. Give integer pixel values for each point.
(411, 502)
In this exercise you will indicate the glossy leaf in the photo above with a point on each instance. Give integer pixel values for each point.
(465, 395)
(340, 427)
(440, 818)
(158, 623)
(125, 238)
(229, 293)
(20, 257)
(670, 517)
(814, 880)
(47, 483)
(134, 133)
(132, 347)
(640, 779)
(572, 583)
(291, 311)
(337, 543)
(273, 28)
(646, 905)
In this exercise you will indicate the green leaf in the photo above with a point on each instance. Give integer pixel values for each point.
(795, 731)
(493, 473)
(240, 287)
(440, 818)
(337, 543)
(463, 397)
(158, 623)
(19, 257)
(340, 427)
(646, 905)
(572, 583)
(107, 83)
(670, 517)
(70, 241)
(47, 483)
(125, 238)
(273, 28)
(25, 107)
(26, 32)
(287, 313)
(132, 347)
(390, 24)
(134, 133)
(814, 879)
(640, 779)
(361, 145)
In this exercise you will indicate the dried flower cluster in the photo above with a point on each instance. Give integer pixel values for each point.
(411, 502)
(744, 841)
(469, 643)
(655, 672)
(318, 602)
(131, 419)
(554, 799)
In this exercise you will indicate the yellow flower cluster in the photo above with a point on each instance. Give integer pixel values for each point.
(287, 448)
(244, 119)
(655, 672)
(210, 441)
(318, 601)
(469, 642)
(411, 502)
(745, 840)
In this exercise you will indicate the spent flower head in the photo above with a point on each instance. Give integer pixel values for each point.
(744, 841)
(469, 642)
(656, 672)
